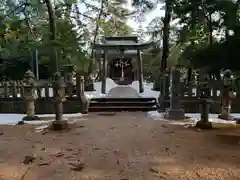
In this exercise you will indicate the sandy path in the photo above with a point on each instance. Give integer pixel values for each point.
(122, 147)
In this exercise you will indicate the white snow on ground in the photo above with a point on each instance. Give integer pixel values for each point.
(98, 86)
(148, 92)
(194, 117)
(12, 119)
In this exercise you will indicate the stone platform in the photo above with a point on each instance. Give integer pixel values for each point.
(123, 92)
(122, 98)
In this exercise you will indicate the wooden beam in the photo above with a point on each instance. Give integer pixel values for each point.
(133, 46)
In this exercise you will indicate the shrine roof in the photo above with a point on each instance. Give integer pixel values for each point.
(121, 38)
(126, 45)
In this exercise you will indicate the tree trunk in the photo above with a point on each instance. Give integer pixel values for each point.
(166, 27)
(91, 63)
(210, 28)
(52, 26)
(192, 28)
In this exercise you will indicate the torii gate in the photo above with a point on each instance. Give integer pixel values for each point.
(121, 44)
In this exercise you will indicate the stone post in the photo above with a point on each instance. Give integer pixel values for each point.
(84, 103)
(59, 98)
(227, 95)
(140, 71)
(175, 112)
(104, 72)
(30, 95)
(69, 81)
(167, 84)
(162, 92)
(204, 123)
(69, 73)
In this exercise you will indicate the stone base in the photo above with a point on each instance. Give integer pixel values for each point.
(59, 125)
(174, 114)
(84, 112)
(225, 117)
(90, 87)
(30, 118)
(20, 122)
(237, 121)
(204, 125)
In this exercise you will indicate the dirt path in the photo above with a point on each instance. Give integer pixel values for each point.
(122, 147)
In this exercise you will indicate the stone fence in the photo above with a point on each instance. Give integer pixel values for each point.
(13, 94)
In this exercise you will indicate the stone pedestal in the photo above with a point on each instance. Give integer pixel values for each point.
(59, 125)
(175, 112)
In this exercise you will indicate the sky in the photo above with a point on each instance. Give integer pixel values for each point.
(133, 23)
(147, 19)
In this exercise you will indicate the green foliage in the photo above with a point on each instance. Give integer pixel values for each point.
(193, 41)
(24, 28)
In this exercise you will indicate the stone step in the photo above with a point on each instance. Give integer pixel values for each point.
(123, 99)
(121, 108)
(122, 103)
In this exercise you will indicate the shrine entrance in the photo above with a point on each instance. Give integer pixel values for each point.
(121, 70)
(120, 59)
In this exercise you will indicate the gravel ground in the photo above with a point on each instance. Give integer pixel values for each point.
(125, 146)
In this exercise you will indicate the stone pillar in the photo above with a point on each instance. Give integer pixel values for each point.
(69, 82)
(59, 98)
(175, 112)
(67, 71)
(84, 103)
(204, 123)
(140, 71)
(104, 72)
(161, 96)
(166, 84)
(30, 95)
(227, 96)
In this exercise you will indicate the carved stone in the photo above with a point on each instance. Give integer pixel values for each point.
(175, 112)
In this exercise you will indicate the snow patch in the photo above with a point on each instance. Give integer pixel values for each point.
(194, 117)
(147, 87)
(98, 86)
(13, 119)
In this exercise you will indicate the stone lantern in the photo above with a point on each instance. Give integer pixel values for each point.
(59, 98)
(30, 95)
